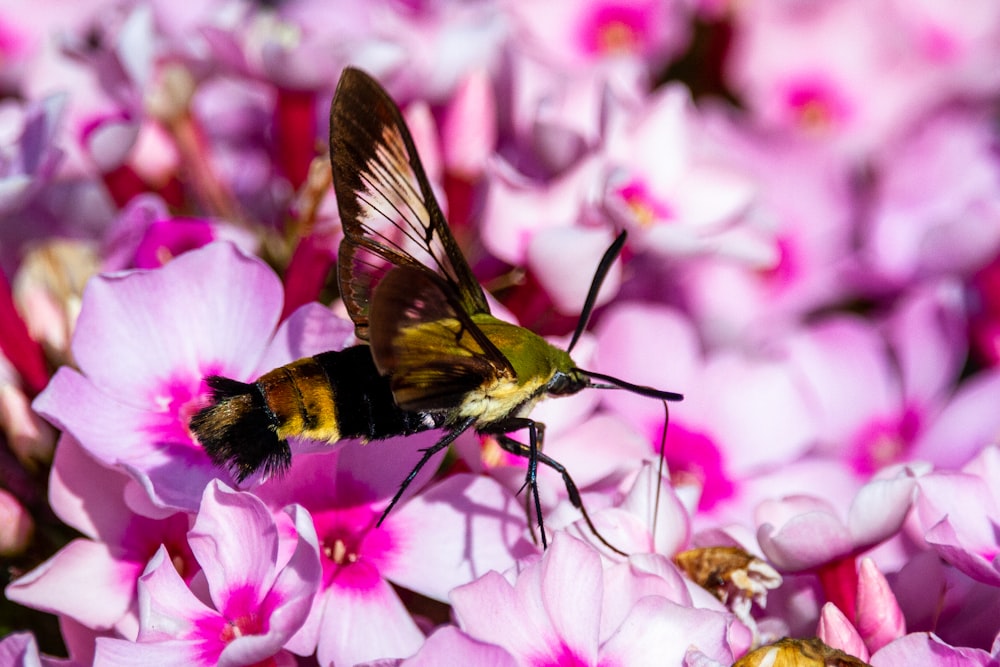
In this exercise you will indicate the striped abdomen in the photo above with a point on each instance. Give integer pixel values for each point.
(329, 397)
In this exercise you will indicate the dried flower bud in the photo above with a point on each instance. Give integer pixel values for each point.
(798, 653)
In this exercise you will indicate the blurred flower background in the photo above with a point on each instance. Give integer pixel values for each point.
(812, 194)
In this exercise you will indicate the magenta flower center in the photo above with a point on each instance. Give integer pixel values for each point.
(175, 402)
(816, 104)
(884, 441)
(165, 239)
(248, 624)
(353, 549)
(695, 459)
(615, 30)
(643, 204)
(563, 657)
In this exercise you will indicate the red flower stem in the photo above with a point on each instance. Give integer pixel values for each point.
(21, 350)
(839, 579)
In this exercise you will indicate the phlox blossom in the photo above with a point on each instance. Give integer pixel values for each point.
(584, 34)
(565, 608)
(890, 393)
(444, 536)
(663, 185)
(967, 540)
(117, 544)
(255, 592)
(20, 649)
(144, 342)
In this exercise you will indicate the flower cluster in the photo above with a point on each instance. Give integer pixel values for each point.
(811, 192)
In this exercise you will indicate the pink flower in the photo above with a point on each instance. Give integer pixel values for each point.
(113, 553)
(564, 608)
(259, 590)
(559, 116)
(145, 340)
(805, 533)
(584, 33)
(849, 98)
(936, 209)
(964, 538)
(736, 302)
(890, 395)
(146, 236)
(723, 434)
(20, 649)
(663, 184)
(925, 648)
(445, 536)
(450, 643)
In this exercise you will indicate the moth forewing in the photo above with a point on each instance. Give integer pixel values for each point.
(387, 205)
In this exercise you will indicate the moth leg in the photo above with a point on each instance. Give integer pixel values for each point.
(531, 451)
(449, 437)
(520, 449)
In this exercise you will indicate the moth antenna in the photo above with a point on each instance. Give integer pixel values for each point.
(659, 475)
(610, 255)
(641, 390)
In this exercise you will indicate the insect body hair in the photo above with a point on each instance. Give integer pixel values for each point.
(237, 430)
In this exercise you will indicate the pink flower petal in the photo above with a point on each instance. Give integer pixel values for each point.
(450, 647)
(65, 583)
(880, 620)
(956, 550)
(659, 632)
(810, 536)
(293, 595)
(173, 653)
(923, 648)
(222, 329)
(455, 532)
(736, 402)
(835, 630)
(927, 338)
(880, 507)
(85, 494)
(19, 649)
(968, 423)
(308, 331)
(168, 609)
(491, 610)
(627, 583)
(559, 258)
(843, 364)
(647, 345)
(367, 626)
(571, 582)
(235, 540)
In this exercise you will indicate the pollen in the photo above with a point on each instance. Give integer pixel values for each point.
(645, 209)
(816, 104)
(616, 37)
(616, 28)
(339, 553)
(247, 624)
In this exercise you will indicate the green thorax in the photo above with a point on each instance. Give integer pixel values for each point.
(534, 359)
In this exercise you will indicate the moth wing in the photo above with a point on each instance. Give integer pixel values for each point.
(387, 207)
(422, 338)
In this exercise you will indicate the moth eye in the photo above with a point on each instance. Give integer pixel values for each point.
(562, 384)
